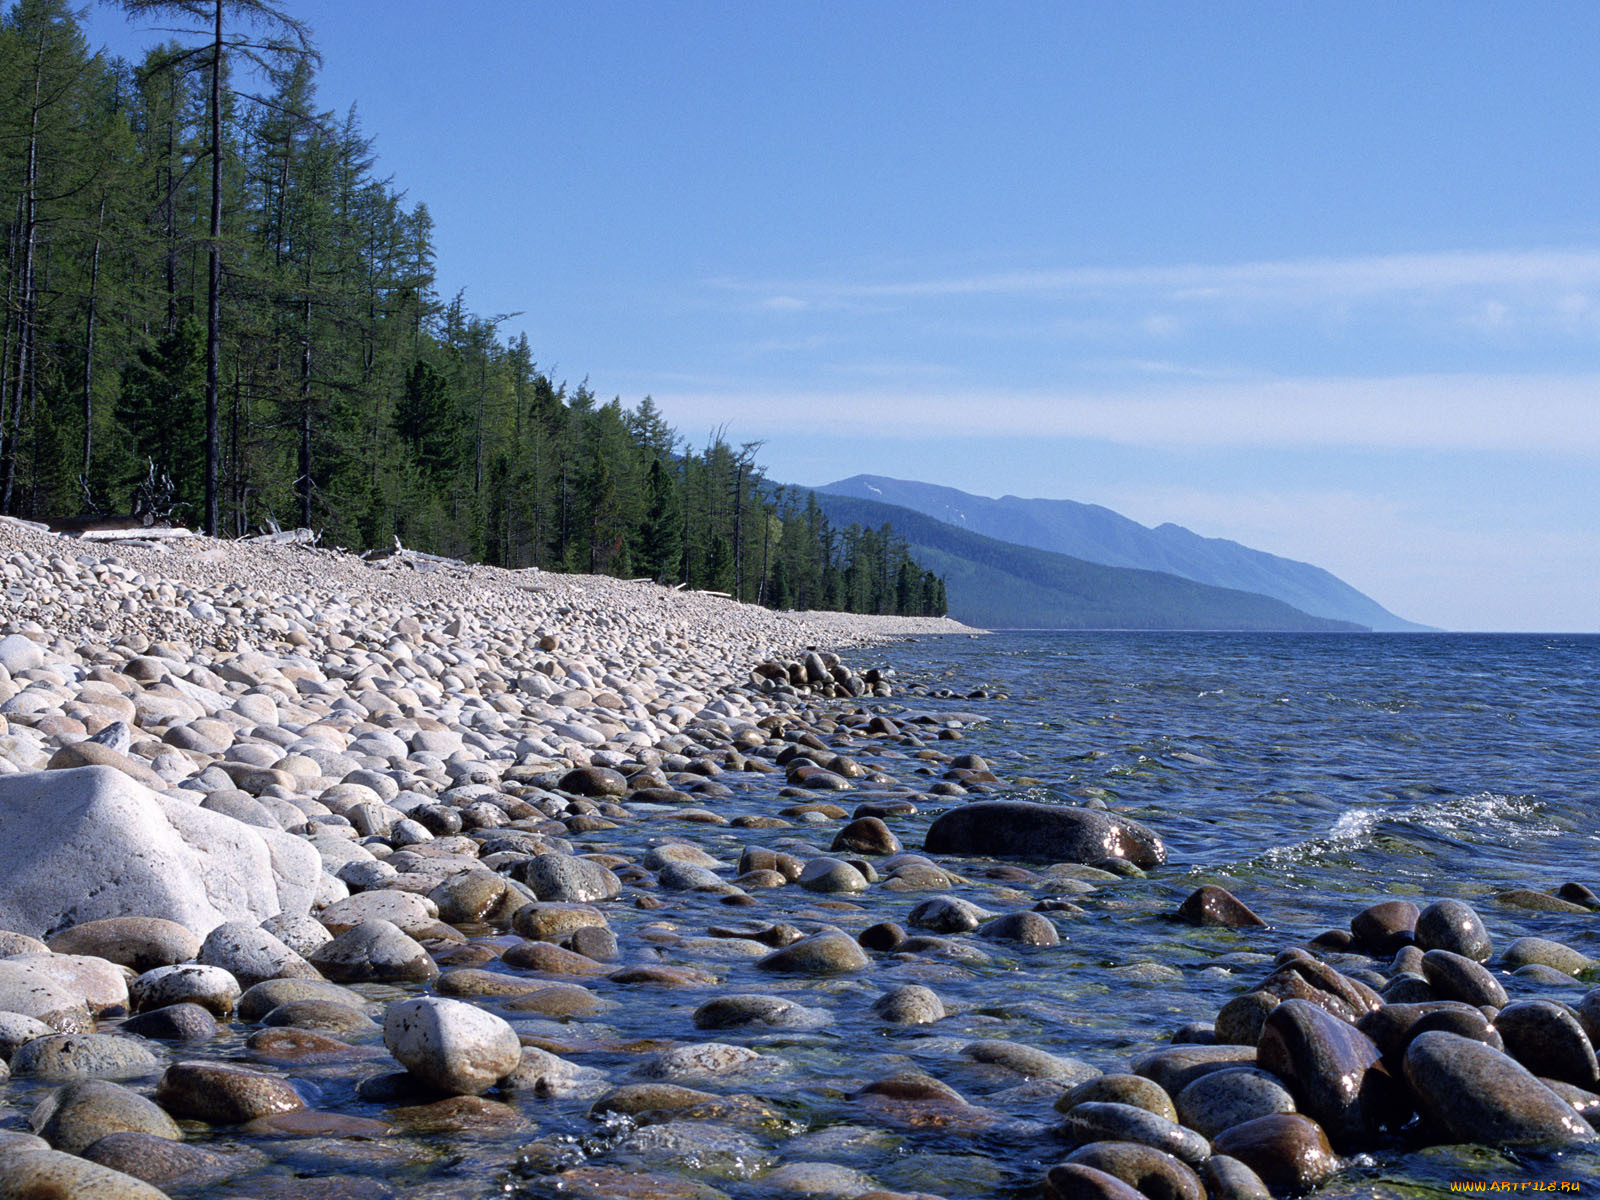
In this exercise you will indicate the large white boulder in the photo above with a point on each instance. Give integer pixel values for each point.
(89, 842)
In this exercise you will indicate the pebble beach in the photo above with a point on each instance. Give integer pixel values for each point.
(410, 878)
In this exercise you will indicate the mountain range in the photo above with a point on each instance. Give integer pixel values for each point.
(1014, 562)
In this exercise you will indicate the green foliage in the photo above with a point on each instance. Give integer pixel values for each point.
(348, 395)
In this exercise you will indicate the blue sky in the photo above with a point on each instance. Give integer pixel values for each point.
(1324, 279)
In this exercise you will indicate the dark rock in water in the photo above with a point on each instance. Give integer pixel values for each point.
(223, 1094)
(1477, 1094)
(829, 952)
(1025, 928)
(1458, 977)
(1579, 894)
(1452, 925)
(885, 935)
(160, 1161)
(1308, 979)
(1212, 905)
(1153, 1172)
(1239, 1021)
(1044, 832)
(1334, 1070)
(1121, 1089)
(1176, 1067)
(1108, 1121)
(594, 781)
(174, 1023)
(866, 835)
(1547, 1039)
(1538, 901)
(1289, 1152)
(1384, 928)
(1229, 1179)
(1219, 1101)
(79, 1114)
(1079, 1181)
(1392, 1027)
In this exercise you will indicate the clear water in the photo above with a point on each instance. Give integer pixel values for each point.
(1309, 775)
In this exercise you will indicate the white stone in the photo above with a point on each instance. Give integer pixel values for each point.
(86, 843)
(453, 1046)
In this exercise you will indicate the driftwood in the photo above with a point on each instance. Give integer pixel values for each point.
(154, 533)
(286, 537)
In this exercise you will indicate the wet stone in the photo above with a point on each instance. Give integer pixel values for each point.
(1223, 1099)
(1227, 1178)
(749, 1009)
(1152, 1172)
(1120, 1089)
(163, 1162)
(1212, 905)
(1453, 925)
(1477, 1094)
(1545, 1038)
(1333, 1070)
(79, 1114)
(1023, 928)
(1288, 1152)
(1096, 1121)
(221, 1094)
(1079, 1181)
(1455, 976)
(1534, 951)
(1385, 927)
(65, 1056)
(1175, 1067)
(174, 1023)
(910, 1004)
(827, 953)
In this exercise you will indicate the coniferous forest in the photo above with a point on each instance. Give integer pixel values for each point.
(218, 310)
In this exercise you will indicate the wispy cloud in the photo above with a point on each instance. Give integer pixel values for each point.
(1555, 414)
(1310, 278)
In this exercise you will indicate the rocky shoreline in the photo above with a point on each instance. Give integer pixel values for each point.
(409, 878)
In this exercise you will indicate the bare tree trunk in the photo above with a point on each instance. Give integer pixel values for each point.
(214, 290)
(88, 347)
(23, 388)
(305, 402)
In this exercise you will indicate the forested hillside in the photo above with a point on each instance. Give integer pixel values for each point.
(218, 308)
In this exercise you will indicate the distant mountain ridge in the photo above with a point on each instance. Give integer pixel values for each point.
(1002, 585)
(1098, 535)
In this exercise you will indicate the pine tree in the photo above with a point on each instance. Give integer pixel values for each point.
(287, 40)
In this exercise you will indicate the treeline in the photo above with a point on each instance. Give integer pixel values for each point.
(216, 309)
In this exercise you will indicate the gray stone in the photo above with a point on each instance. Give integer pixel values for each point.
(1224, 1099)
(565, 878)
(829, 952)
(87, 843)
(252, 955)
(910, 1004)
(1107, 1121)
(66, 1056)
(80, 1114)
(48, 1173)
(450, 1045)
(374, 952)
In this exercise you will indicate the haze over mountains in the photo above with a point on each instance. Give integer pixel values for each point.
(1090, 535)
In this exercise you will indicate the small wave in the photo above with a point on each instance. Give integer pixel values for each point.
(1463, 821)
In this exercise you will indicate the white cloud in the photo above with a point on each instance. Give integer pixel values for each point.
(1557, 414)
(1310, 279)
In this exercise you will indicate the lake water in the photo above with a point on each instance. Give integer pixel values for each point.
(1311, 776)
